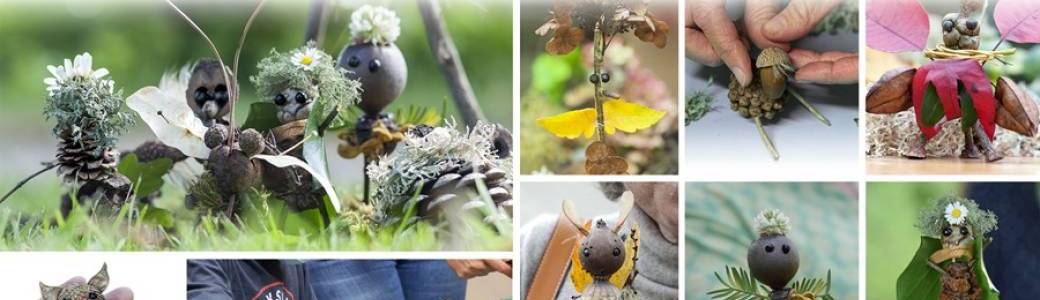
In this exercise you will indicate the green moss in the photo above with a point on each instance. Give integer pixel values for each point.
(931, 220)
(278, 72)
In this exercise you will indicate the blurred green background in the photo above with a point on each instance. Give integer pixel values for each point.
(138, 40)
(720, 221)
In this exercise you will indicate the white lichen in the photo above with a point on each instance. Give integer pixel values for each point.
(374, 24)
(772, 222)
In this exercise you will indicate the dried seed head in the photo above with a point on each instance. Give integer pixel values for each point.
(216, 136)
(251, 142)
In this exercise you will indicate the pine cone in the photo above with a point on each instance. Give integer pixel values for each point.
(81, 160)
(450, 189)
(751, 101)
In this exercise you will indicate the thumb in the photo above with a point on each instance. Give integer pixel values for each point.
(797, 19)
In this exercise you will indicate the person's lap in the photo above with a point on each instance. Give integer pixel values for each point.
(384, 279)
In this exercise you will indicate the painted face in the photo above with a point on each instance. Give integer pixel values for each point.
(92, 290)
(954, 236)
(602, 251)
(294, 104)
(207, 92)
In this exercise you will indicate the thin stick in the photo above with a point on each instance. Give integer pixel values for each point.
(597, 64)
(450, 63)
(765, 139)
(232, 93)
(810, 107)
(315, 23)
(47, 166)
(242, 38)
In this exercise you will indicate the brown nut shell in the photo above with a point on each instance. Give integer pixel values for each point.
(774, 82)
(600, 159)
(891, 94)
(1017, 109)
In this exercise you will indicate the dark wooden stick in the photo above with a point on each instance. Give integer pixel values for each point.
(47, 166)
(447, 56)
(315, 22)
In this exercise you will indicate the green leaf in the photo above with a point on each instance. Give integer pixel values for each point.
(918, 280)
(738, 284)
(262, 116)
(931, 107)
(968, 114)
(989, 291)
(147, 175)
(314, 149)
(157, 216)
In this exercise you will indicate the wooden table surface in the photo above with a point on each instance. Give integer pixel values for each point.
(952, 166)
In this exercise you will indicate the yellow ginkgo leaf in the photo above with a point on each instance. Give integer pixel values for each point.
(618, 115)
(582, 279)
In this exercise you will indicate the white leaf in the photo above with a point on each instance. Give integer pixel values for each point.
(283, 161)
(170, 118)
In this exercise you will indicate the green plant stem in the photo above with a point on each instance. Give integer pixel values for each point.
(765, 139)
(597, 63)
(810, 107)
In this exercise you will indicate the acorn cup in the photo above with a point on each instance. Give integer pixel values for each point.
(773, 258)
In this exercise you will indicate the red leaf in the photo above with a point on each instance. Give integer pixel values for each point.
(944, 75)
(1018, 20)
(896, 25)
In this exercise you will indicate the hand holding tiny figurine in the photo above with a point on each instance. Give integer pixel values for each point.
(470, 268)
(713, 39)
(78, 288)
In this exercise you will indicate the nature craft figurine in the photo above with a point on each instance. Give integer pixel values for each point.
(949, 263)
(603, 262)
(773, 261)
(575, 22)
(444, 167)
(953, 84)
(374, 60)
(93, 289)
(89, 119)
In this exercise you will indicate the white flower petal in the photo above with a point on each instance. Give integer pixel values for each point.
(100, 73)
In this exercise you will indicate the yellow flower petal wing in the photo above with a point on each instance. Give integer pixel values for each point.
(623, 275)
(579, 277)
(627, 116)
(571, 124)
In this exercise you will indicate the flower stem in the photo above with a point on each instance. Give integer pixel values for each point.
(810, 107)
(765, 139)
(598, 48)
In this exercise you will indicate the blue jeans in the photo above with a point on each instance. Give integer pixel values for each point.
(385, 279)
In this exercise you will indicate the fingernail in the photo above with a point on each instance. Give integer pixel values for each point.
(742, 77)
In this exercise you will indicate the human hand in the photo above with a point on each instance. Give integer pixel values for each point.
(469, 268)
(712, 38)
(122, 293)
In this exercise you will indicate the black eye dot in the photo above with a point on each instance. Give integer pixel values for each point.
(301, 98)
(353, 62)
(947, 231)
(92, 295)
(374, 65)
(594, 78)
(617, 251)
(200, 95)
(220, 94)
(971, 24)
(947, 25)
(964, 230)
(279, 99)
(585, 252)
(605, 77)
(785, 248)
(769, 248)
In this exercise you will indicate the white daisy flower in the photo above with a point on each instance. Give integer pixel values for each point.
(956, 213)
(306, 58)
(79, 68)
(374, 24)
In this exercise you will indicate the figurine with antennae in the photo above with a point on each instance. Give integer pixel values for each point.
(603, 262)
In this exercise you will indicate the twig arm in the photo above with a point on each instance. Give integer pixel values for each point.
(315, 22)
(447, 56)
(46, 167)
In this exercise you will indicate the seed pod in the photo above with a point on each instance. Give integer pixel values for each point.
(1017, 110)
(251, 142)
(216, 135)
(600, 159)
(891, 94)
(772, 65)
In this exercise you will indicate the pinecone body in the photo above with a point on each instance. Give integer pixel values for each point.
(454, 187)
(80, 159)
(752, 101)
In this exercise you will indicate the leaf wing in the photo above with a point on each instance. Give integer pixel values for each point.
(571, 124)
(579, 277)
(170, 118)
(283, 161)
(628, 116)
(918, 280)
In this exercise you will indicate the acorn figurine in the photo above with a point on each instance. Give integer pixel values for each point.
(373, 58)
(773, 258)
(94, 289)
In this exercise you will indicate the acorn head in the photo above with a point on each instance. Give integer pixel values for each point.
(381, 69)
